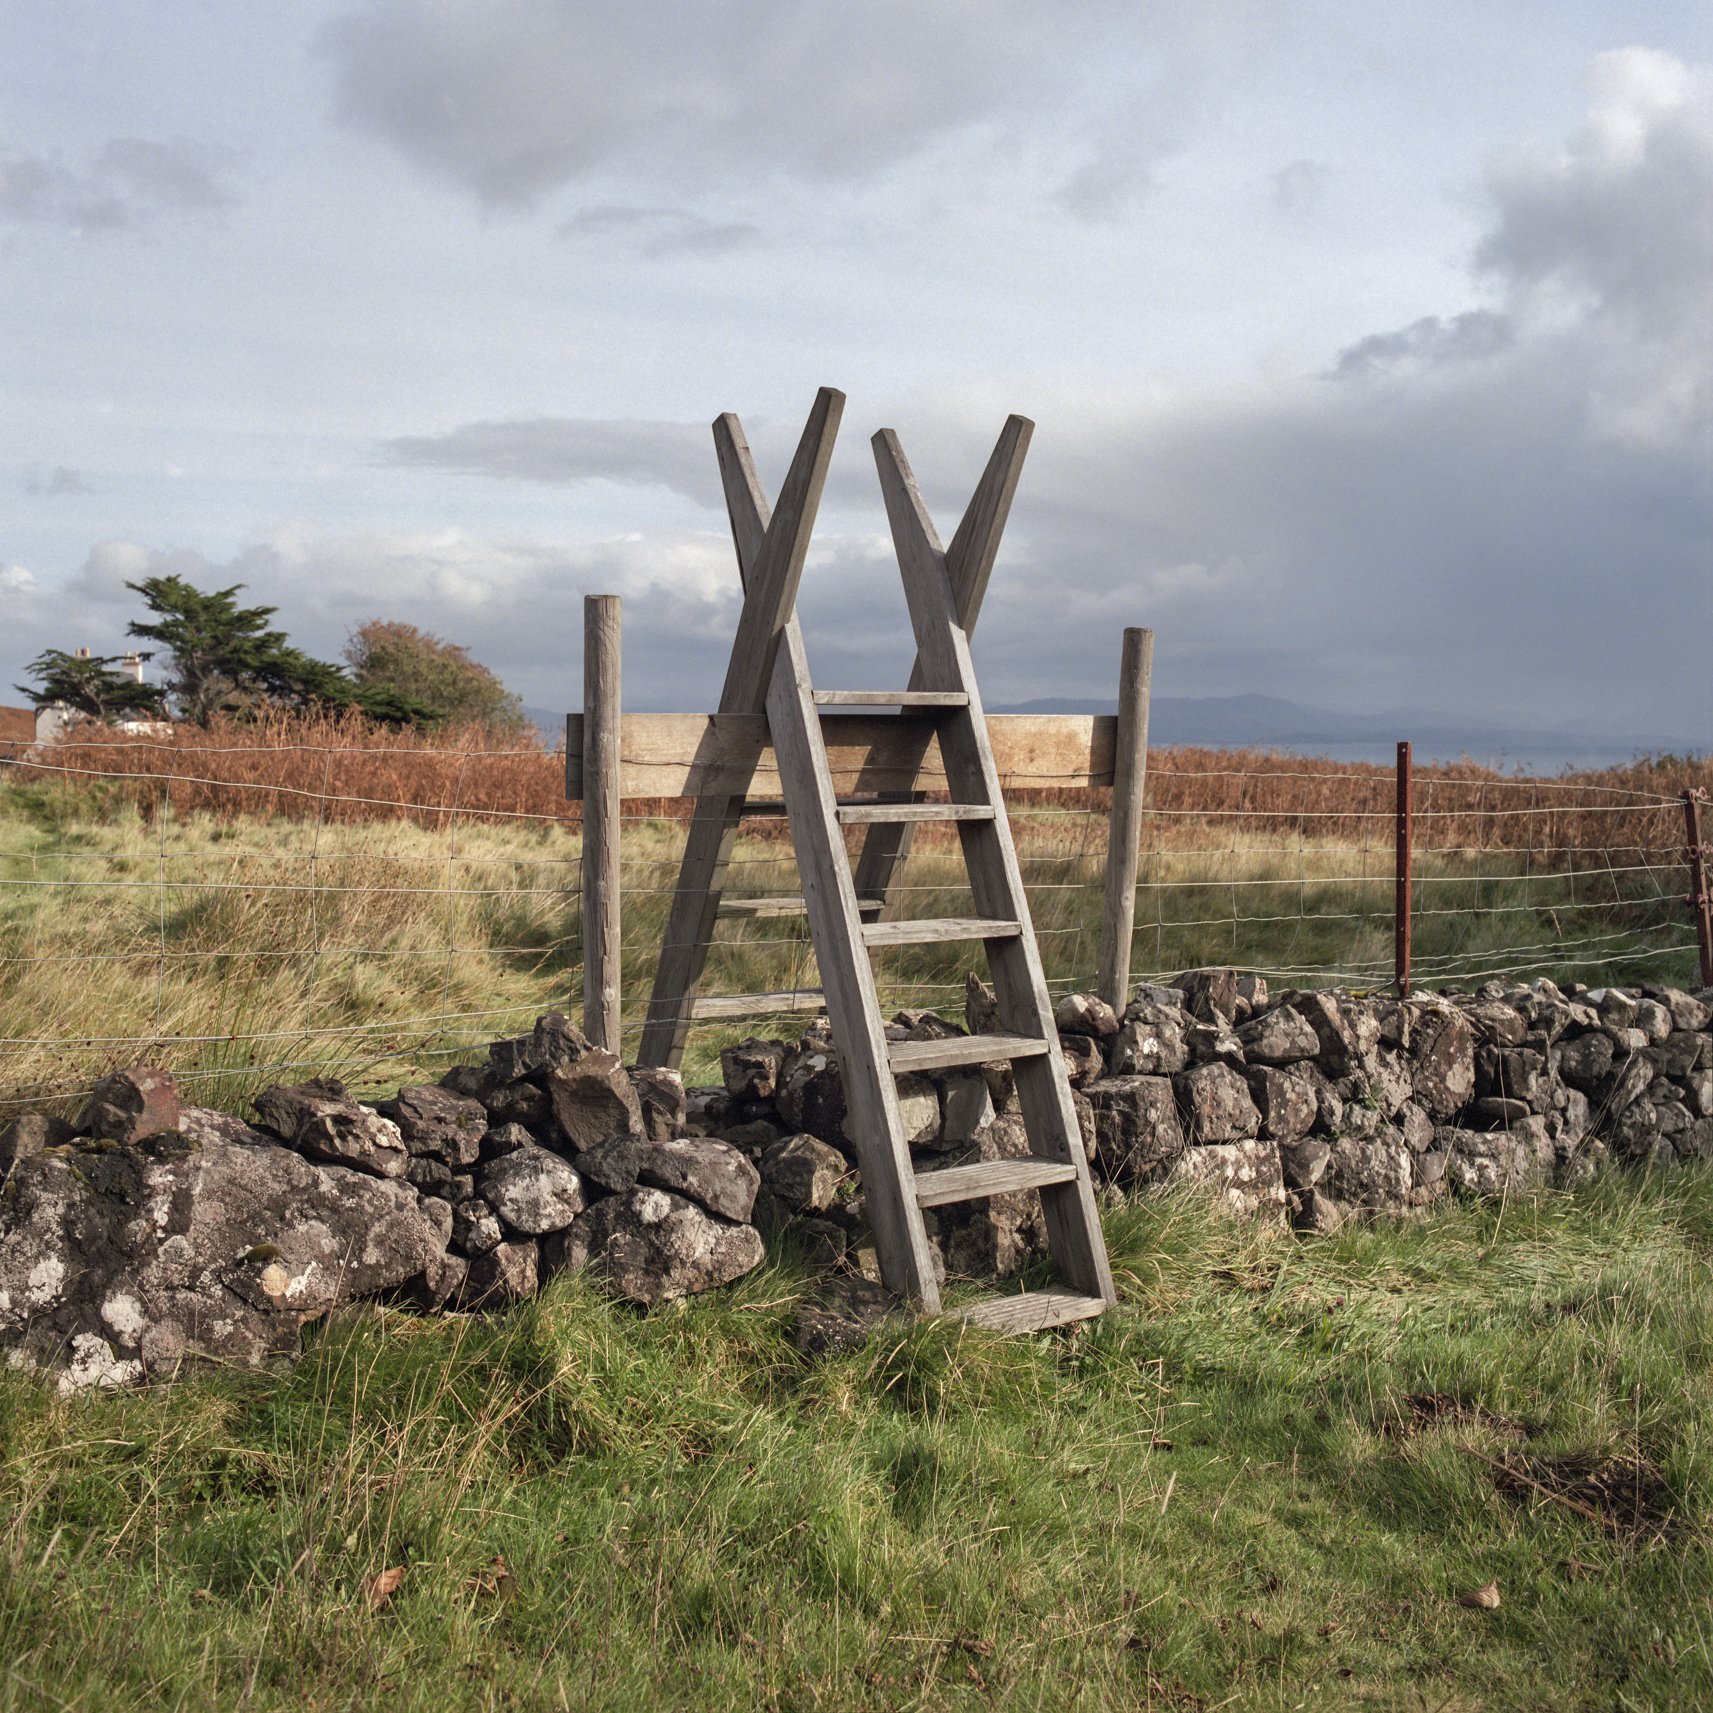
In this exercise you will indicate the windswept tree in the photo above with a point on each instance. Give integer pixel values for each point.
(224, 658)
(92, 685)
(387, 657)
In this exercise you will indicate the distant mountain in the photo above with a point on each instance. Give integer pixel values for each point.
(1271, 722)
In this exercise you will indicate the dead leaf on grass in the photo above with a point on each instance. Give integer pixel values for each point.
(1484, 1598)
(494, 1578)
(385, 1584)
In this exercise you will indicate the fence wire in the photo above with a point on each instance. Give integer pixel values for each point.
(248, 906)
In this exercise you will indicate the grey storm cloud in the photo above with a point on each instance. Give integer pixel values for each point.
(62, 479)
(657, 232)
(514, 99)
(130, 182)
(1431, 341)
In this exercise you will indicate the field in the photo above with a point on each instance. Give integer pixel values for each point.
(1264, 1481)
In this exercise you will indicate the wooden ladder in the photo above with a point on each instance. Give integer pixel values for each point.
(769, 666)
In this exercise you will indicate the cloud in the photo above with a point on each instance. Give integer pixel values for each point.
(132, 182)
(673, 455)
(62, 479)
(1300, 186)
(656, 232)
(17, 579)
(1430, 343)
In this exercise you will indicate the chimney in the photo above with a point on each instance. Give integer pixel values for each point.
(132, 666)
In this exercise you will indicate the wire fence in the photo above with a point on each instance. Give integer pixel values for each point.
(311, 897)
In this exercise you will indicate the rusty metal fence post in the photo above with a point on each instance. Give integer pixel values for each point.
(1401, 871)
(1700, 907)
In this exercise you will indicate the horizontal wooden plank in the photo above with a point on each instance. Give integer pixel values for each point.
(1032, 1311)
(710, 1006)
(686, 755)
(938, 930)
(988, 1178)
(868, 814)
(961, 1050)
(892, 698)
(753, 908)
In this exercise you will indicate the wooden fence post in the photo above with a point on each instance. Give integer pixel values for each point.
(1124, 832)
(1401, 906)
(1699, 901)
(601, 977)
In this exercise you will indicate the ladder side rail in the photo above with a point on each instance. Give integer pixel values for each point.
(847, 980)
(770, 566)
(995, 878)
(969, 562)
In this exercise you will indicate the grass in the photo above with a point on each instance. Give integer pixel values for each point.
(1262, 1482)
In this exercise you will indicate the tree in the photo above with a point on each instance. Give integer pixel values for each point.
(92, 685)
(390, 658)
(225, 659)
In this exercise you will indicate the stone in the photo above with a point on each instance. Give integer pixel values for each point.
(918, 1111)
(1210, 995)
(966, 1104)
(1279, 1037)
(612, 1165)
(1633, 1132)
(1284, 1100)
(1086, 1014)
(751, 1068)
(993, 1236)
(1154, 995)
(1416, 1128)
(592, 1099)
(713, 1174)
(1490, 1162)
(804, 1175)
(554, 1040)
(1215, 1103)
(1628, 1082)
(1653, 1019)
(1329, 1103)
(981, 1006)
(29, 1134)
(926, 1026)
(1628, 1042)
(501, 1277)
(652, 1246)
(1303, 1163)
(1374, 1173)
(1084, 1109)
(1245, 1178)
(1084, 1062)
(322, 1122)
(1213, 1044)
(131, 1106)
(220, 1249)
(503, 1139)
(812, 1097)
(438, 1284)
(1251, 994)
(1586, 1061)
(1346, 1031)
(521, 1103)
(1498, 1023)
(534, 1192)
(1679, 1053)
(475, 1227)
(1442, 1061)
(438, 1122)
(1153, 1042)
(1495, 1112)
(1616, 1008)
(1390, 1082)
(660, 1094)
(1686, 1013)
(1136, 1128)
(427, 1175)
(841, 1317)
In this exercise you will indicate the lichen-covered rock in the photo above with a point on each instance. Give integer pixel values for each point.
(1442, 1061)
(966, 1103)
(475, 1227)
(1215, 1103)
(660, 1094)
(713, 1174)
(1210, 995)
(435, 1121)
(1374, 1172)
(651, 1246)
(592, 1099)
(534, 1192)
(1303, 1163)
(1347, 1031)
(1244, 1178)
(1084, 1061)
(1496, 1162)
(157, 1253)
(811, 1097)
(28, 1134)
(1153, 1042)
(803, 1174)
(1136, 1128)
(995, 1236)
(500, 1277)
(1085, 1014)
(131, 1106)
(751, 1068)
(322, 1122)
(1282, 1036)
(1285, 1101)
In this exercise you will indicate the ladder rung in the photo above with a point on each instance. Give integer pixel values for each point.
(961, 1050)
(892, 698)
(756, 907)
(862, 814)
(713, 1005)
(1033, 1311)
(934, 930)
(988, 1178)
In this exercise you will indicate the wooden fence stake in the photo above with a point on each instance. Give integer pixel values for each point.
(1700, 905)
(1124, 832)
(601, 821)
(1401, 889)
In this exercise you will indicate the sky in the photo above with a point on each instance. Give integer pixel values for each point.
(1369, 348)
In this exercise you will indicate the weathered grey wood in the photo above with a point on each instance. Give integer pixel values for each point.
(988, 1178)
(963, 1050)
(1124, 827)
(996, 882)
(969, 561)
(867, 814)
(695, 755)
(853, 1007)
(710, 1007)
(602, 982)
(937, 930)
(770, 552)
(755, 908)
(889, 699)
(1033, 1311)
